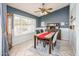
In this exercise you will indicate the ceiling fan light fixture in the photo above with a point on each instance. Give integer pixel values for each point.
(44, 10)
(44, 13)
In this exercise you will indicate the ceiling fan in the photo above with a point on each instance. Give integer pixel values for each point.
(43, 9)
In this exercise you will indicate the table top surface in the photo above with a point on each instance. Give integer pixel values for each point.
(48, 36)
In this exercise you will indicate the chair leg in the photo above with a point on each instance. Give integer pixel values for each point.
(52, 46)
(55, 44)
(34, 41)
(44, 44)
(37, 42)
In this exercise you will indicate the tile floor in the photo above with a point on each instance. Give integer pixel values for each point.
(26, 49)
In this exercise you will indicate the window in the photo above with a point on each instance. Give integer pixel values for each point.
(23, 25)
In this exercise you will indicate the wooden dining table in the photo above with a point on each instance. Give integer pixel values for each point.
(46, 37)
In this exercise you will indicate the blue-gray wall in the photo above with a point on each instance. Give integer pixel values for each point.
(61, 15)
(38, 22)
(17, 11)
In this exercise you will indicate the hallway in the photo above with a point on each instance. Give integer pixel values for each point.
(26, 49)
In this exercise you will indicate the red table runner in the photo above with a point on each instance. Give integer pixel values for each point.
(42, 36)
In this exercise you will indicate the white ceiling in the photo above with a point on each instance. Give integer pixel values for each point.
(31, 7)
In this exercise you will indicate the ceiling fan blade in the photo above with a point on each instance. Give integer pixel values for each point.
(49, 9)
(40, 8)
(47, 12)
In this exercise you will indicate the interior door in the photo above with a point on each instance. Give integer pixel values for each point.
(9, 29)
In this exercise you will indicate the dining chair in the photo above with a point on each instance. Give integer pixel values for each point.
(41, 30)
(54, 39)
(37, 31)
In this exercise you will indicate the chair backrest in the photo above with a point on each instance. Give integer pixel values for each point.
(41, 30)
(37, 31)
(55, 36)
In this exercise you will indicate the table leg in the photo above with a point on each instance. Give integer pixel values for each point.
(34, 41)
(50, 46)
